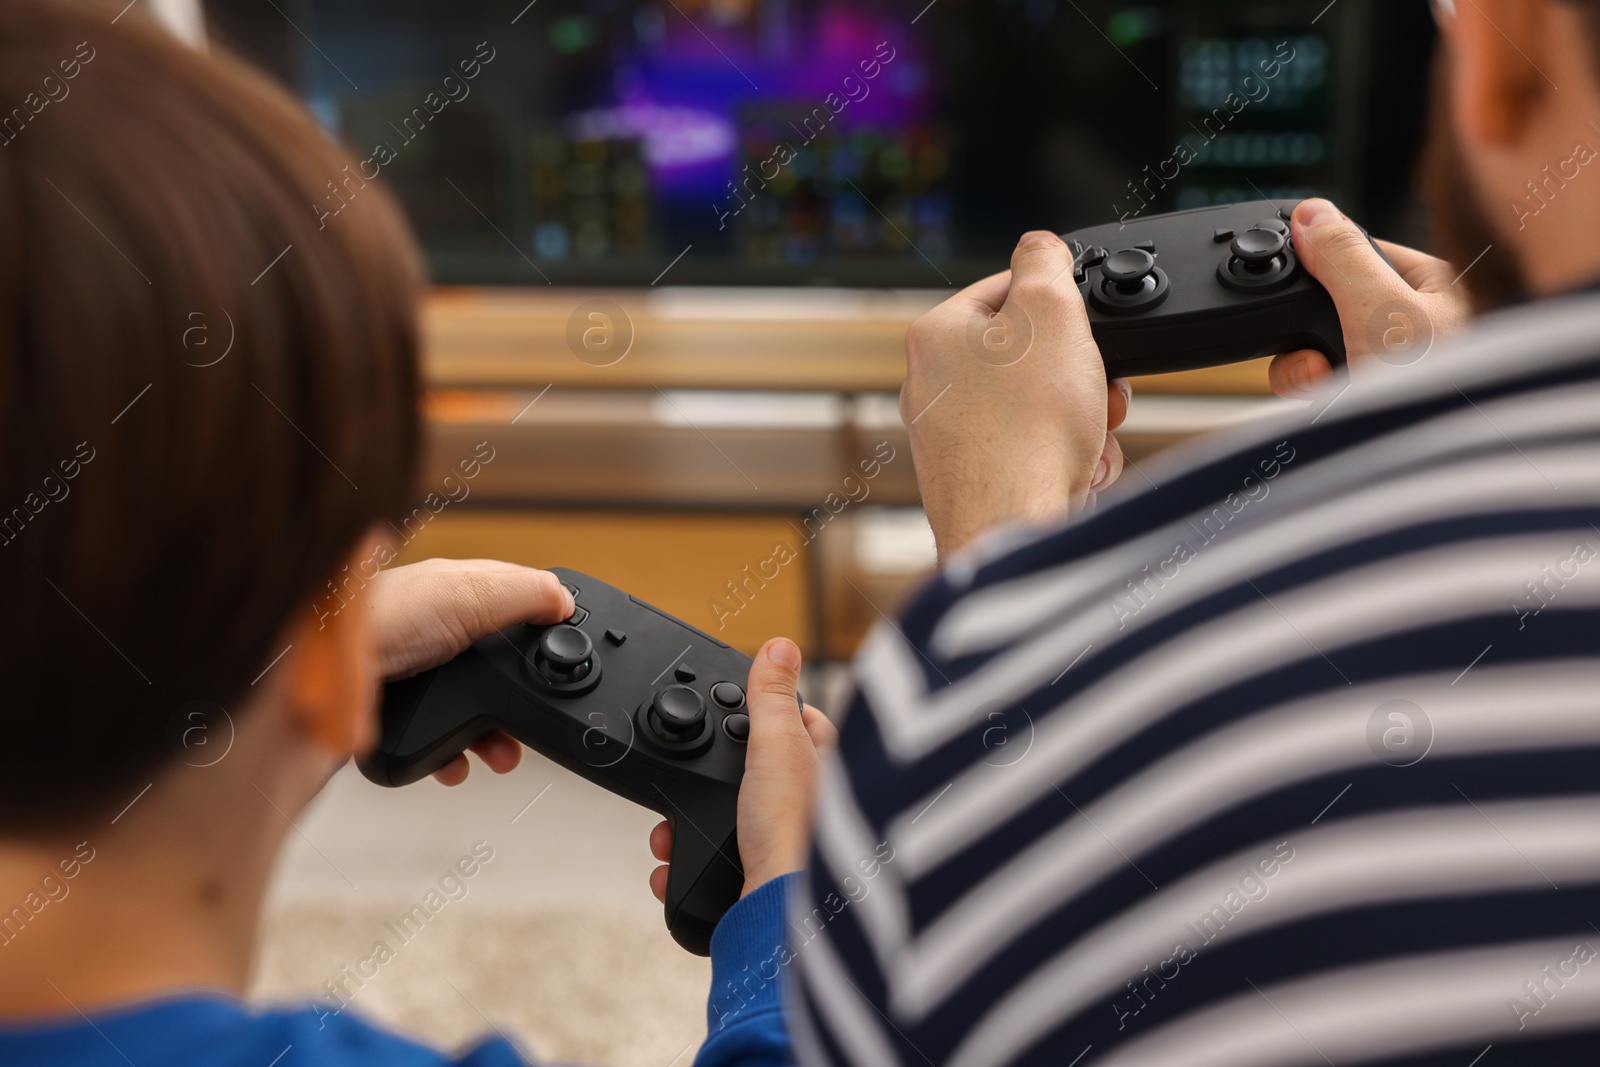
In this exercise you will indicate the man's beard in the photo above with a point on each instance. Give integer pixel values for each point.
(1459, 224)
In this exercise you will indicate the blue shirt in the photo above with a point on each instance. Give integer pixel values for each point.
(745, 1025)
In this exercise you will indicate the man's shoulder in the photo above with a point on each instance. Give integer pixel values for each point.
(1528, 374)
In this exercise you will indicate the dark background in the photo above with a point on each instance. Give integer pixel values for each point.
(599, 142)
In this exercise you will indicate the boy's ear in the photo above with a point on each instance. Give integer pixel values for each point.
(1497, 50)
(332, 688)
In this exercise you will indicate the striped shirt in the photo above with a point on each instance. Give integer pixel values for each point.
(1290, 757)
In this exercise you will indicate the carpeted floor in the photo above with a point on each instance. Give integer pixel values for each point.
(554, 938)
(590, 987)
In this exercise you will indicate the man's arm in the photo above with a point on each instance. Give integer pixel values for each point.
(1006, 400)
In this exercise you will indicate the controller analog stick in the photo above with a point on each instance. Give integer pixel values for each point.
(1261, 260)
(1128, 269)
(1257, 249)
(565, 654)
(677, 713)
(1130, 283)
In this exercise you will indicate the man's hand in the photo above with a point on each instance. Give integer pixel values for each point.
(426, 613)
(1389, 317)
(1006, 400)
(780, 774)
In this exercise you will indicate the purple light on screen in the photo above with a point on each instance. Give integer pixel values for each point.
(673, 137)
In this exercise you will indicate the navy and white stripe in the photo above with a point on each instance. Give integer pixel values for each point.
(1293, 757)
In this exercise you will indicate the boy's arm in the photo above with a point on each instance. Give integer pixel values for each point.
(749, 955)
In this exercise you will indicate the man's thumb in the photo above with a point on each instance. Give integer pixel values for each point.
(1338, 254)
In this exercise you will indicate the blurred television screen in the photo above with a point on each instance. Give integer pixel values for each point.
(847, 142)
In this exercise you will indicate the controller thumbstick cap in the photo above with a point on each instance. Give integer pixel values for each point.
(1129, 266)
(565, 646)
(679, 709)
(1259, 246)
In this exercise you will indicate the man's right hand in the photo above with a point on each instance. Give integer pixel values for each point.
(1387, 316)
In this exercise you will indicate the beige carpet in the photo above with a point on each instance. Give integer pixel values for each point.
(591, 987)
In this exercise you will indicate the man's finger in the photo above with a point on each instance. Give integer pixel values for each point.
(1337, 253)
(988, 294)
(1041, 261)
(1118, 399)
(1110, 466)
(1296, 375)
(1424, 273)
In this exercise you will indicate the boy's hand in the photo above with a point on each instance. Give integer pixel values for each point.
(780, 774)
(426, 613)
(1387, 316)
(1006, 401)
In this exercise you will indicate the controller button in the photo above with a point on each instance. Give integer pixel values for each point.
(727, 695)
(616, 637)
(1222, 236)
(1093, 258)
(578, 616)
(677, 713)
(1146, 246)
(684, 673)
(571, 589)
(1275, 224)
(1129, 268)
(565, 646)
(737, 727)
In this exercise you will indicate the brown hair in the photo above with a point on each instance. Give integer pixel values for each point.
(207, 394)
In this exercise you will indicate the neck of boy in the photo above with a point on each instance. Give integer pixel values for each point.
(163, 897)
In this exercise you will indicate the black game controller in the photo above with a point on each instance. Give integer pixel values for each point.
(1201, 288)
(620, 693)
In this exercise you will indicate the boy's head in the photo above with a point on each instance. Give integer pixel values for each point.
(206, 395)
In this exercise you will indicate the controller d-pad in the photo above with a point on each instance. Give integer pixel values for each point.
(1130, 282)
(1260, 260)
